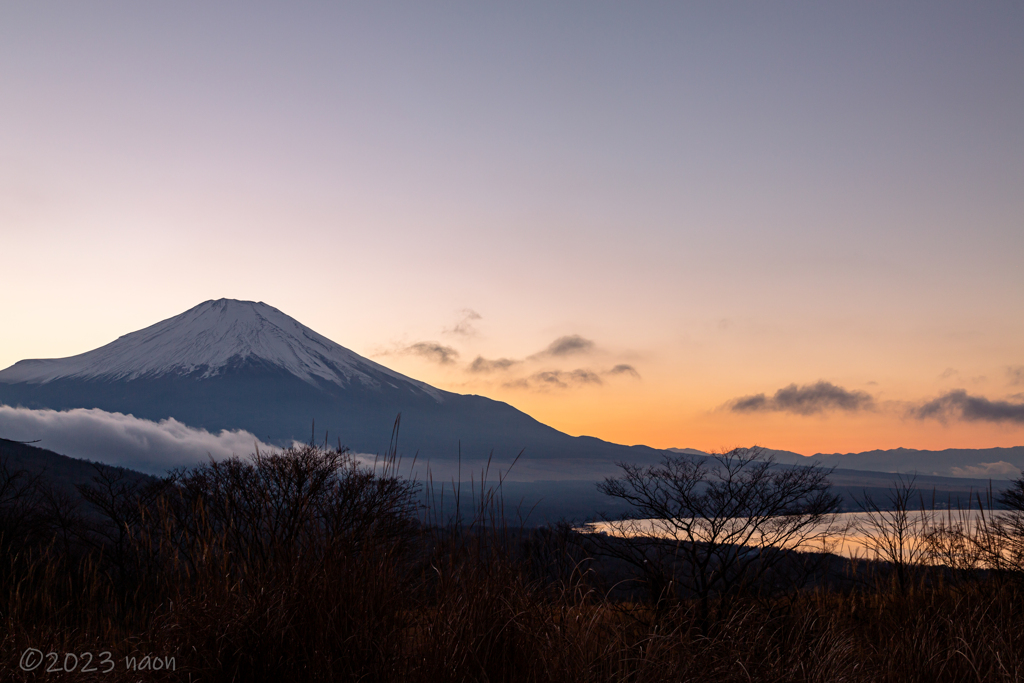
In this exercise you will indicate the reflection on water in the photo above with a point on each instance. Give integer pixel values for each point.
(850, 534)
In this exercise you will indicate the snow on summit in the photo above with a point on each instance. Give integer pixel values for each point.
(204, 340)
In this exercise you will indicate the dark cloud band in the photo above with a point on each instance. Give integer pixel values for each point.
(961, 405)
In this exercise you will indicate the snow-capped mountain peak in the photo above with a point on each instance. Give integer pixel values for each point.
(205, 339)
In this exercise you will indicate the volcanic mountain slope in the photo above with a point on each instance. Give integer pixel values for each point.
(206, 341)
(230, 364)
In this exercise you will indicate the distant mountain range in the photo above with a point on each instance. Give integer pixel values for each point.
(963, 463)
(979, 463)
(230, 364)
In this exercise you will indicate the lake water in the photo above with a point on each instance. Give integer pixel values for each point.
(849, 534)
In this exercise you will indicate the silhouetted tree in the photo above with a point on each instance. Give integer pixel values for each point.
(715, 526)
(895, 531)
(1009, 528)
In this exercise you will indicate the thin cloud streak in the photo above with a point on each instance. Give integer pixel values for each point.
(481, 365)
(556, 379)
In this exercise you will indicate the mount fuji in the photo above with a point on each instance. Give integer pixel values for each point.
(230, 364)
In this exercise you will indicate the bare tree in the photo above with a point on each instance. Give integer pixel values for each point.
(19, 519)
(896, 531)
(715, 526)
(274, 508)
(982, 538)
(959, 539)
(125, 503)
(1007, 527)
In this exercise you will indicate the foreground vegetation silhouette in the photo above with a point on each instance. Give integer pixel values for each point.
(304, 565)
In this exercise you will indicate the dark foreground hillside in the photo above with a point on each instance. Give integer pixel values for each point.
(301, 566)
(59, 471)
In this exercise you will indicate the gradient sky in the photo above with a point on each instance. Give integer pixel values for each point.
(720, 200)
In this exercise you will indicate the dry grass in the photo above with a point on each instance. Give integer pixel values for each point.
(312, 570)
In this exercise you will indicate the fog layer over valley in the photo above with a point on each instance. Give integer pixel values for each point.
(123, 440)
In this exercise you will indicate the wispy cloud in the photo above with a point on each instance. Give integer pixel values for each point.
(809, 399)
(1015, 374)
(624, 369)
(483, 365)
(569, 345)
(124, 440)
(434, 351)
(959, 405)
(464, 328)
(556, 379)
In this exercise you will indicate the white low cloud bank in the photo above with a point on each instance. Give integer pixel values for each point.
(994, 470)
(124, 440)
